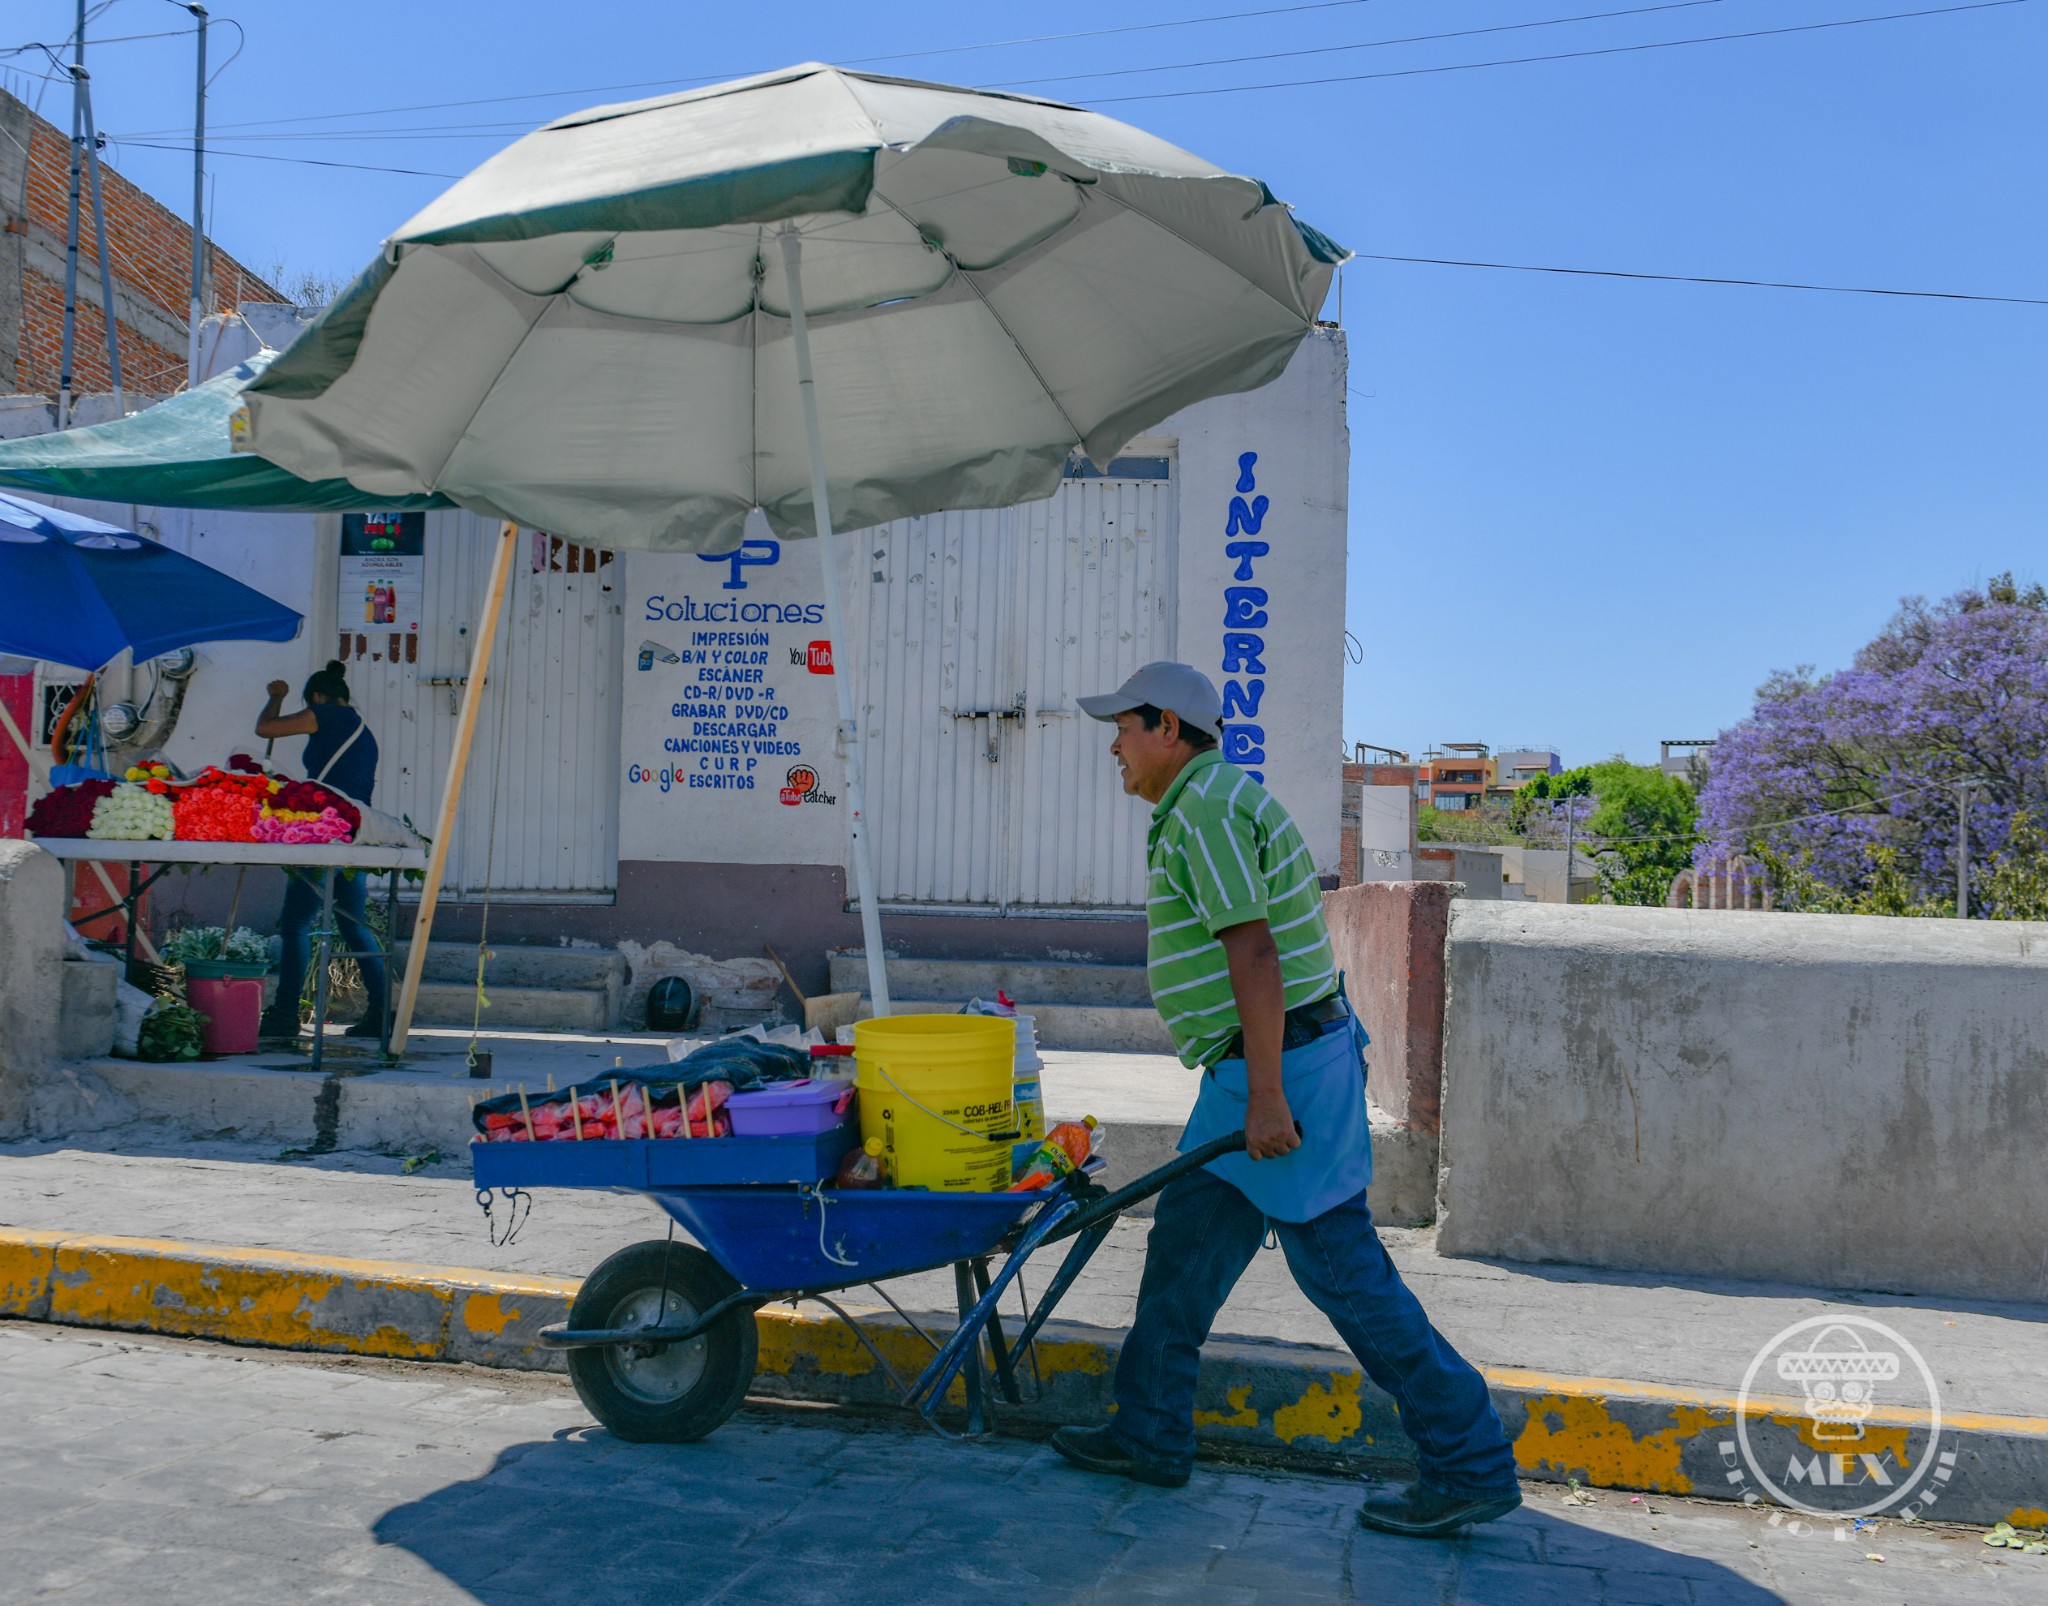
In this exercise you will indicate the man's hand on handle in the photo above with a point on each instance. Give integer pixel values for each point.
(1269, 1127)
(1255, 980)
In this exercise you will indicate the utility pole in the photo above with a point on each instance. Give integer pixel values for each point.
(1963, 849)
(1571, 829)
(198, 310)
(99, 224)
(71, 221)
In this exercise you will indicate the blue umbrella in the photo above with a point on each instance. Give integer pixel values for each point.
(78, 592)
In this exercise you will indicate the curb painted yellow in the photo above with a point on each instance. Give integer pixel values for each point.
(1274, 1399)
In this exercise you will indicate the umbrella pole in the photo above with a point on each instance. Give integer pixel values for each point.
(835, 627)
(451, 790)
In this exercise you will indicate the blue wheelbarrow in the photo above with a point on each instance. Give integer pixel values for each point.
(661, 1340)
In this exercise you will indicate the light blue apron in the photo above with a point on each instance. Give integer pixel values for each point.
(1325, 1086)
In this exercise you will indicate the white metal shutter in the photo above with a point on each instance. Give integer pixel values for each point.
(987, 785)
(547, 740)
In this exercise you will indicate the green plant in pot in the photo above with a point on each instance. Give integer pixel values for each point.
(213, 952)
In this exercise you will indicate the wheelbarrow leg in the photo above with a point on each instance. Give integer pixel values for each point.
(1001, 1354)
(963, 1290)
(965, 1343)
(1085, 1245)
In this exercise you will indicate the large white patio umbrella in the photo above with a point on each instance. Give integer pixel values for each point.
(824, 294)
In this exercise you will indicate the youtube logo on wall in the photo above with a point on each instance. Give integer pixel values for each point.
(818, 658)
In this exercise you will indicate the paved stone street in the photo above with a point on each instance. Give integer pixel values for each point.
(173, 1472)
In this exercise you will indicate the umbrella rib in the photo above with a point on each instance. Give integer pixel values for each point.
(754, 401)
(472, 255)
(1235, 272)
(988, 306)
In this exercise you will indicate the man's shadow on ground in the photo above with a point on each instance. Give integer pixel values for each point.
(584, 1516)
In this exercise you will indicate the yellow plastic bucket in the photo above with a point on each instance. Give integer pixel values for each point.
(936, 1089)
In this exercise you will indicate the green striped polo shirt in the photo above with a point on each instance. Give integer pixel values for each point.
(1222, 852)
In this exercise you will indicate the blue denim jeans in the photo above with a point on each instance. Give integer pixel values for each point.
(295, 924)
(1204, 1234)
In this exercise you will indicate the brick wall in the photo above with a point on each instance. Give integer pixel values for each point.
(151, 247)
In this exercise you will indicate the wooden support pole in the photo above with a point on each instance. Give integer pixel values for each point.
(451, 790)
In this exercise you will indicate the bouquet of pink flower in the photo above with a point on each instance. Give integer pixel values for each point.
(299, 827)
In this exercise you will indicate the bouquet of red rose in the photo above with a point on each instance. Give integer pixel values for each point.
(68, 810)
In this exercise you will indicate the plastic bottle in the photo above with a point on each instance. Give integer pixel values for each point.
(1066, 1148)
(863, 1167)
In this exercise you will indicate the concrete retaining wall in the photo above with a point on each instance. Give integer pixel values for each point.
(1388, 937)
(31, 973)
(1840, 1100)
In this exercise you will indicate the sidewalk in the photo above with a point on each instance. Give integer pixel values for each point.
(1619, 1380)
(1575, 1321)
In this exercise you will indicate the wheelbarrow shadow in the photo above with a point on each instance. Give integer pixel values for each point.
(776, 1508)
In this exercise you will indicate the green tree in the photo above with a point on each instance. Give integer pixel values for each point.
(1640, 828)
(2017, 886)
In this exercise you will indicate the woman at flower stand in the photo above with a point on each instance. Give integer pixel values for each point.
(340, 753)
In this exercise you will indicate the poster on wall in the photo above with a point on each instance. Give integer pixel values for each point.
(729, 710)
(383, 572)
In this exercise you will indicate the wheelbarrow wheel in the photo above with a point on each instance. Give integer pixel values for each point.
(662, 1393)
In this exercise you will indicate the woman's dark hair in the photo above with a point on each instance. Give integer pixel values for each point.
(1200, 741)
(330, 683)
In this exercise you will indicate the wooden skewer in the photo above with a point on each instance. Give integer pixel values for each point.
(683, 1093)
(526, 1112)
(576, 1112)
(618, 1113)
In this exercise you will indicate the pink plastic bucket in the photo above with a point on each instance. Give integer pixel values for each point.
(232, 1005)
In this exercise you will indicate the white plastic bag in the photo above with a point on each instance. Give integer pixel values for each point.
(130, 1005)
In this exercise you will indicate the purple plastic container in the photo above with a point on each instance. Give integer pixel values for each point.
(788, 1109)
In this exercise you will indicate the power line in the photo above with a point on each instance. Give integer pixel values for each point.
(1370, 44)
(854, 61)
(1562, 55)
(300, 161)
(1697, 278)
(1595, 841)
(96, 41)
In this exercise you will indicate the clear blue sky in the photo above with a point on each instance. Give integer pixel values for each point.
(1588, 512)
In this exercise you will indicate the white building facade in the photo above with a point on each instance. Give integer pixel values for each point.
(656, 756)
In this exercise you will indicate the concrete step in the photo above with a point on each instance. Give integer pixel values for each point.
(529, 985)
(524, 964)
(1107, 1008)
(1102, 1028)
(559, 1009)
(1032, 982)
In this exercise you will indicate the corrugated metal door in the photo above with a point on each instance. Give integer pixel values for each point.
(989, 787)
(545, 760)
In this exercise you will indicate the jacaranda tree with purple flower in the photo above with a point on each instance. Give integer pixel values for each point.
(1847, 784)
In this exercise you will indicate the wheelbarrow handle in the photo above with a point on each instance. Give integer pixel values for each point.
(1110, 1205)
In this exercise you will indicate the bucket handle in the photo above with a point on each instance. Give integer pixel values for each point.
(986, 1137)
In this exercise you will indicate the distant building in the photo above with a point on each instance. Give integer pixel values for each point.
(1688, 760)
(1515, 767)
(1455, 777)
(1376, 826)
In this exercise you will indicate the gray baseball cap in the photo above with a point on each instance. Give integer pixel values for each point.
(1181, 687)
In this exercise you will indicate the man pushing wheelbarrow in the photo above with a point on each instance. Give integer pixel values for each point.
(1243, 975)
